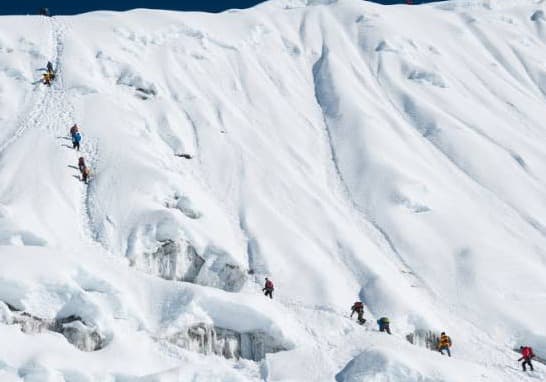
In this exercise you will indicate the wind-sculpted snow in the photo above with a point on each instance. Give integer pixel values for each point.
(347, 150)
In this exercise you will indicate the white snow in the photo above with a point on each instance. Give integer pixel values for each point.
(348, 150)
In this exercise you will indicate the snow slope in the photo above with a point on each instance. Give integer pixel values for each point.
(349, 150)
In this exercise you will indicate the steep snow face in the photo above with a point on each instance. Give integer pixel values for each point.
(345, 149)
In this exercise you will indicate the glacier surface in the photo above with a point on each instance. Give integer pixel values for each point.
(348, 150)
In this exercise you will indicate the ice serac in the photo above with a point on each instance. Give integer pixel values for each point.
(424, 338)
(173, 260)
(208, 339)
(83, 336)
(79, 334)
(179, 260)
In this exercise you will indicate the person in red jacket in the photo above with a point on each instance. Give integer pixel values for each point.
(526, 355)
(268, 288)
(84, 170)
(358, 308)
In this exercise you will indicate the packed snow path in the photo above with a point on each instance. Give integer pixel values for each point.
(59, 117)
(331, 145)
(54, 112)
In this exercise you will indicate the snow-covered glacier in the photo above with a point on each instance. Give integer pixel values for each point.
(345, 149)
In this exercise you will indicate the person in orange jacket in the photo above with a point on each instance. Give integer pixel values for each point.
(47, 78)
(444, 343)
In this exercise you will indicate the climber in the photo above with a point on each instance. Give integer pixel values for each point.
(526, 355)
(47, 78)
(50, 68)
(44, 12)
(76, 138)
(358, 308)
(74, 129)
(384, 325)
(84, 170)
(268, 288)
(444, 343)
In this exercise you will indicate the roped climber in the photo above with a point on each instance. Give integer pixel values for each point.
(358, 308)
(268, 288)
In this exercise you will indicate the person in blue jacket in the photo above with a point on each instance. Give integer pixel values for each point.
(384, 325)
(76, 138)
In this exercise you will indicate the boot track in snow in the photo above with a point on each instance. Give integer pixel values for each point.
(55, 113)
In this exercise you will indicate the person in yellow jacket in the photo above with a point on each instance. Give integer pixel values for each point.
(444, 343)
(47, 78)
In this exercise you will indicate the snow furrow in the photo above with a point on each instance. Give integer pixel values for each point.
(325, 99)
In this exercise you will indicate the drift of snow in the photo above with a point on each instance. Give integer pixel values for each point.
(348, 150)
